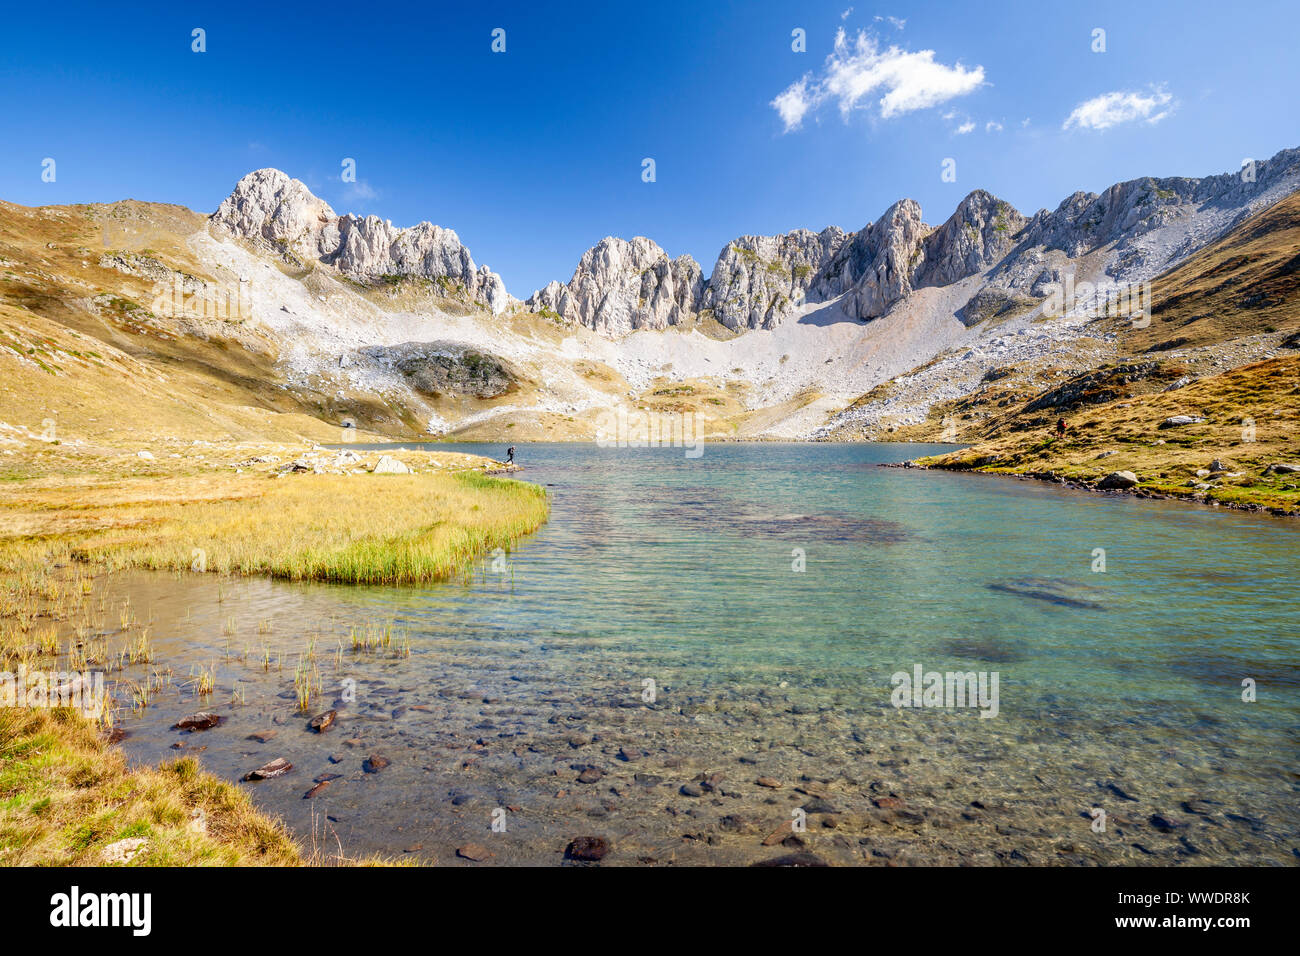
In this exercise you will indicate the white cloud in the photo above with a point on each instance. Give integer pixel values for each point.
(1111, 109)
(846, 13)
(992, 126)
(892, 21)
(908, 80)
(792, 103)
(964, 128)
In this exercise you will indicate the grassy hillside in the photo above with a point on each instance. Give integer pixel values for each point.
(1249, 417)
(1214, 318)
(1245, 284)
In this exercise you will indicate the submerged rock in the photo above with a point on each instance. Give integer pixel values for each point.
(1052, 590)
(200, 721)
(276, 768)
(781, 833)
(323, 722)
(588, 849)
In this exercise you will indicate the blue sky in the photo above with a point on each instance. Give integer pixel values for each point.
(534, 154)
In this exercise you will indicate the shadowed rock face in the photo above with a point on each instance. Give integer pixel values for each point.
(281, 214)
(758, 280)
(444, 368)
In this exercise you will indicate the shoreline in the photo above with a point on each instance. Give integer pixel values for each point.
(1079, 485)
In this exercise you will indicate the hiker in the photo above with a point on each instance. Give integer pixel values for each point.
(510, 455)
(1060, 428)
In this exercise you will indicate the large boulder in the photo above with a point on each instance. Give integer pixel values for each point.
(1118, 480)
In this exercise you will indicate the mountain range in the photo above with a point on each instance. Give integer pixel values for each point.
(827, 334)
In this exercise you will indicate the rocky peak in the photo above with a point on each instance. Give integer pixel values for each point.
(757, 280)
(270, 208)
(876, 264)
(621, 286)
(281, 214)
(979, 233)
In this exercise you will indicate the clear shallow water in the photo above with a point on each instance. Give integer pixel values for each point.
(1119, 689)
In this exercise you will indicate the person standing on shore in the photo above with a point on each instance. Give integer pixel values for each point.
(510, 455)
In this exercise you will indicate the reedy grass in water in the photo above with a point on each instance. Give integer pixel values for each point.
(372, 529)
(64, 792)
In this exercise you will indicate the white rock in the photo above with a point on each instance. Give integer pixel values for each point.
(124, 851)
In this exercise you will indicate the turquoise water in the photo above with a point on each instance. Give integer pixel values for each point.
(657, 567)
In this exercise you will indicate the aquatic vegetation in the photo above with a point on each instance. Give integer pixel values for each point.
(1051, 590)
(403, 529)
(203, 681)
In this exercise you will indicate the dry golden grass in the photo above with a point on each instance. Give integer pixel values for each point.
(65, 795)
(1250, 415)
(1243, 284)
(352, 528)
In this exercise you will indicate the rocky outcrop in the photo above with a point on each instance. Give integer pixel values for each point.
(281, 214)
(979, 233)
(1133, 216)
(875, 267)
(622, 286)
(446, 368)
(758, 280)
(888, 260)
